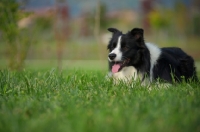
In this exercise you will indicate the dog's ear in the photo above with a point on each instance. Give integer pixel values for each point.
(137, 33)
(113, 30)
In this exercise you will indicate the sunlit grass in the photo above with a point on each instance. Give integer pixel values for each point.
(83, 100)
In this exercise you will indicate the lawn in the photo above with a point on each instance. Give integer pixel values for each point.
(84, 101)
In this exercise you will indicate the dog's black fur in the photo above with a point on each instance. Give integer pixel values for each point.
(171, 65)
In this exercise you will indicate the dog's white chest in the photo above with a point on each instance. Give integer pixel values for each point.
(126, 74)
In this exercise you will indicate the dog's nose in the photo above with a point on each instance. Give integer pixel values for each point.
(112, 56)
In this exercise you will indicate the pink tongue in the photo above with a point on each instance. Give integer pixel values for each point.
(115, 68)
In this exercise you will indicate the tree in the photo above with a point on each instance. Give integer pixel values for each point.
(17, 43)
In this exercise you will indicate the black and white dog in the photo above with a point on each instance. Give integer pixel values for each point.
(130, 58)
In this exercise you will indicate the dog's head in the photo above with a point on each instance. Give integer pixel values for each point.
(125, 49)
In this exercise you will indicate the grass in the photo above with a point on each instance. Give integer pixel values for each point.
(80, 100)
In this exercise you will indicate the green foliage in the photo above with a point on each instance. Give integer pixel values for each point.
(17, 44)
(44, 22)
(103, 20)
(85, 101)
(178, 20)
(9, 17)
(196, 24)
(181, 18)
(158, 20)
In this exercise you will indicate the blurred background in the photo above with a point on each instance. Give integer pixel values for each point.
(70, 34)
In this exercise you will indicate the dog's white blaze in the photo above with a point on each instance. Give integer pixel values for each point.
(154, 54)
(117, 50)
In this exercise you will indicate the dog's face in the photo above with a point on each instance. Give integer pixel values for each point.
(125, 49)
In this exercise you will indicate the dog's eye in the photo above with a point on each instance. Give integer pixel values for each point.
(125, 48)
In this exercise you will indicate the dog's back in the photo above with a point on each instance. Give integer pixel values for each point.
(180, 65)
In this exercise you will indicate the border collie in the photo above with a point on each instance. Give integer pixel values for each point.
(130, 58)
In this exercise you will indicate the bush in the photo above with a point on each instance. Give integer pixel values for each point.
(17, 44)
